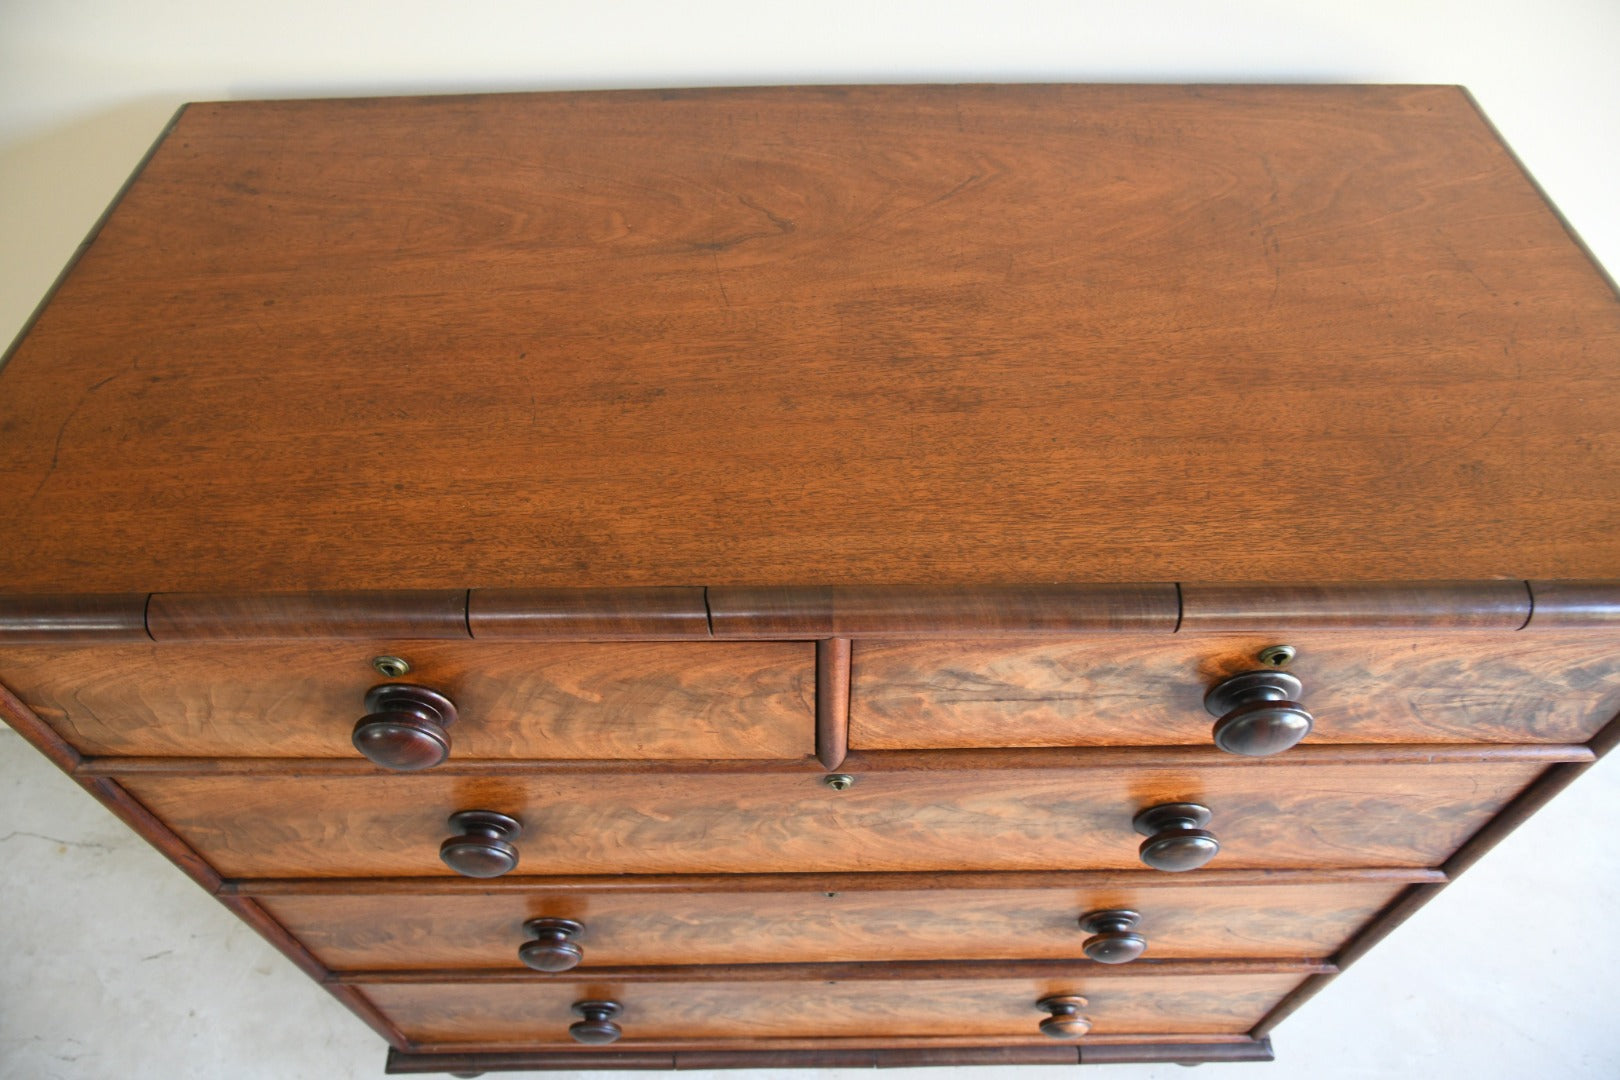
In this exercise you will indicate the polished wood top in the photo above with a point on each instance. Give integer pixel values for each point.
(929, 335)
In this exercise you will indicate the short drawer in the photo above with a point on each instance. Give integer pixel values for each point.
(839, 918)
(1130, 690)
(904, 812)
(632, 700)
(673, 1011)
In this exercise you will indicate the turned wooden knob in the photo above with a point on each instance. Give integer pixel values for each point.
(404, 728)
(551, 951)
(1065, 1021)
(598, 1026)
(482, 846)
(1176, 837)
(1112, 940)
(1258, 713)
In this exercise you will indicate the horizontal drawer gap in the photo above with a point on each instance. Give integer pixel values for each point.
(946, 880)
(889, 971)
(871, 761)
(289, 767)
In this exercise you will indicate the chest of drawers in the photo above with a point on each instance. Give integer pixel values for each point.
(943, 575)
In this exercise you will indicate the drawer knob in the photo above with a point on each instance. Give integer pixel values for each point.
(551, 951)
(598, 1026)
(1065, 1021)
(1259, 713)
(1112, 940)
(1176, 837)
(404, 728)
(482, 846)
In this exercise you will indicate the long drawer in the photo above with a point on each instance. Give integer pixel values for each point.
(1008, 810)
(837, 919)
(1139, 690)
(676, 1011)
(619, 700)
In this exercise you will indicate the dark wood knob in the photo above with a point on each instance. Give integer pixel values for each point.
(482, 846)
(551, 951)
(1065, 1021)
(1258, 713)
(404, 728)
(598, 1026)
(1112, 940)
(1176, 837)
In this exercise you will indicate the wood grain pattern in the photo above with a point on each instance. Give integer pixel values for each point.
(588, 614)
(90, 238)
(1362, 688)
(252, 913)
(1403, 605)
(1102, 757)
(831, 335)
(40, 735)
(1272, 815)
(1554, 780)
(1405, 904)
(516, 700)
(1606, 739)
(332, 767)
(923, 972)
(953, 1058)
(476, 1064)
(1526, 803)
(26, 619)
(1402, 908)
(1099, 1049)
(1123, 1053)
(418, 613)
(842, 1045)
(813, 924)
(537, 1012)
(141, 821)
(956, 1057)
(902, 611)
(1291, 1003)
(878, 363)
(832, 701)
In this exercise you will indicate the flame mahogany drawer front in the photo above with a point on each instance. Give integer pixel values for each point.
(537, 700)
(899, 815)
(1307, 914)
(978, 1011)
(1130, 690)
(799, 576)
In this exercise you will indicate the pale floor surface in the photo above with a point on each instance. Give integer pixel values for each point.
(113, 964)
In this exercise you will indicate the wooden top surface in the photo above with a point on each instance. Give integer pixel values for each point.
(877, 335)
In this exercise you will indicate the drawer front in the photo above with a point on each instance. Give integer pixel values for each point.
(1270, 814)
(638, 700)
(539, 1012)
(1129, 690)
(381, 933)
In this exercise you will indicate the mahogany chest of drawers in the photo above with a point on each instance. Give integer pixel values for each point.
(838, 576)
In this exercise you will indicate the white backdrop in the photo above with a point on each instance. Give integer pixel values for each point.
(112, 964)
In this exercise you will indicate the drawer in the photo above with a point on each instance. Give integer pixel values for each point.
(837, 919)
(1132, 690)
(635, 700)
(904, 812)
(538, 1012)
